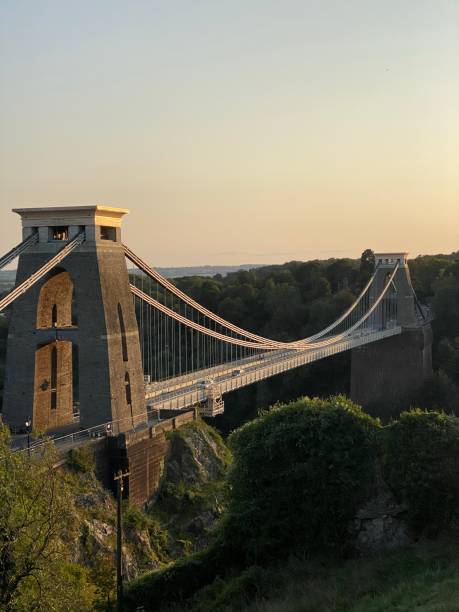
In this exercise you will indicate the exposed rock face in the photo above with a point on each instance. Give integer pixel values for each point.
(96, 542)
(179, 520)
(196, 457)
(191, 495)
(380, 524)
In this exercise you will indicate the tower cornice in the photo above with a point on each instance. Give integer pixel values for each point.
(96, 214)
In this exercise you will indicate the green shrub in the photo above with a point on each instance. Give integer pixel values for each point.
(177, 582)
(421, 465)
(81, 459)
(300, 472)
(134, 518)
(137, 521)
(424, 577)
(236, 591)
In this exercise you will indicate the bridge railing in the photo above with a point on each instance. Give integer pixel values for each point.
(276, 364)
(153, 388)
(110, 428)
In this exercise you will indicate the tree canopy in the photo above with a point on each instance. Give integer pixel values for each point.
(36, 524)
(299, 473)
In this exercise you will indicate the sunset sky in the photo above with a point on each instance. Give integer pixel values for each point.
(236, 131)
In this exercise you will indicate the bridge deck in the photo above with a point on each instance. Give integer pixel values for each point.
(178, 394)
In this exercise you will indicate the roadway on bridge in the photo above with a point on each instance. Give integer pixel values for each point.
(253, 369)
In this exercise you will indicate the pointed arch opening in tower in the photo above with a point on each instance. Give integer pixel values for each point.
(52, 404)
(56, 304)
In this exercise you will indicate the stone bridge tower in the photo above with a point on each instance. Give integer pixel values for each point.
(73, 343)
(386, 373)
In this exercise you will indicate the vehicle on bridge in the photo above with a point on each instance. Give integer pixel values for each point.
(205, 383)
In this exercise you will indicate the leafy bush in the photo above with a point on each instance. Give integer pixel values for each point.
(424, 577)
(175, 583)
(134, 518)
(299, 474)
(422, 467)
(137, 521)
(37, 518)
(180, 498)
(81, 459)
(235, 592)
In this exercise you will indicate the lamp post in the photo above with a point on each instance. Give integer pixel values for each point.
(28, 423)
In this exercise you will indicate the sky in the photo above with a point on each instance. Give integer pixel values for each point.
(236, 131)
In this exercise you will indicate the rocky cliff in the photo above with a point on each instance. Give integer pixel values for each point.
(177, 521)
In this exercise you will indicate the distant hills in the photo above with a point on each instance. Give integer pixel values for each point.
(7, 277)
(205, 270)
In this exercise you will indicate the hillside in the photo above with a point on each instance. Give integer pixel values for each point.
(423, 577)
(327, 510)
(76, 552)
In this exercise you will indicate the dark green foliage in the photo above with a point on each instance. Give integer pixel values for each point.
(236, 591)
(277, 300)
(448, 356)
(185, 501)
(134, 518)
(136, 521)
(312, 458)
(177, 582)
(427, 269)
(367, 265)
(422, 467)
(446, 324)
(104, 577)
(424, 577)
(342, 274)
(436, 280)
(299, 475)
(438, 392)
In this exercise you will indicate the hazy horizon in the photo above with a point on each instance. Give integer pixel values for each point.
(236, 132)
(245, 265)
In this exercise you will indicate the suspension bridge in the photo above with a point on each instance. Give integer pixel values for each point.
(99, 339)
(223, 357)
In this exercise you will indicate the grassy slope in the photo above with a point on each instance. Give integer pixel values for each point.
(424, 578)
